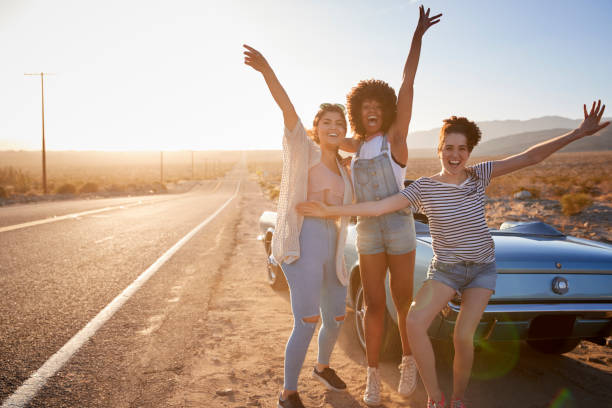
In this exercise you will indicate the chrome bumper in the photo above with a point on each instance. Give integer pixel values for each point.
(605, 308)
(512, 321)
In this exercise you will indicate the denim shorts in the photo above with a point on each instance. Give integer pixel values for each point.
(464, 275)
(391, 233)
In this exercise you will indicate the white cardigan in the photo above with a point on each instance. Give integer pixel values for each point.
(300, 153)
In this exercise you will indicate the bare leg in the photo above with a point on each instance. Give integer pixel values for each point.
(373, 269)
(429, 300)
(401, 268)
(473, 303)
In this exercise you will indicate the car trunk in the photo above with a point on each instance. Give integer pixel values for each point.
(528, 265)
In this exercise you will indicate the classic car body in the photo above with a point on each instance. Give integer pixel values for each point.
(552, 290)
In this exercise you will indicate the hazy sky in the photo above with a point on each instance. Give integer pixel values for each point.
(151, 75)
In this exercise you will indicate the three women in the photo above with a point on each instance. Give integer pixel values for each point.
(310, 249)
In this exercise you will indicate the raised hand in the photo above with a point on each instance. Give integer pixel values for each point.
(312, 209)
(425, 21)
(255, 59)
(590, 125)
(535, 154)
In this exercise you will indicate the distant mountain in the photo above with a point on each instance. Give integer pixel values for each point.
(494, 129)
(517, 143)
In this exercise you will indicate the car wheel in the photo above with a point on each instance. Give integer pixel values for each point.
(275, 276)
(360, 316)
(554, 346)
(391, 345)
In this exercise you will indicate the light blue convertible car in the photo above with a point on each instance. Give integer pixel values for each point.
(553, 290)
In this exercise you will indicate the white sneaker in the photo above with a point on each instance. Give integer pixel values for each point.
(371, 396)
(408, 376)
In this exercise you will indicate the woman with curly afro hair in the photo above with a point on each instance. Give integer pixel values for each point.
(380, 122)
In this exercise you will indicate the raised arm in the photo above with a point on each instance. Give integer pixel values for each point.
(535, 154)
(366, 209)
(399, 129)
(255, 60)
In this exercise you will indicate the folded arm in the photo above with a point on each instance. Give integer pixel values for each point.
(535, 154)
(256, 60)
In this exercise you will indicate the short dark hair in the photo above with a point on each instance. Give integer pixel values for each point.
(377, 90)
(460, 125)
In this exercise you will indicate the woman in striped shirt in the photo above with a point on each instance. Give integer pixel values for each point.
(464, 253)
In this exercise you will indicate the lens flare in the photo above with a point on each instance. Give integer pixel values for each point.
(494, 359)
(563, 399)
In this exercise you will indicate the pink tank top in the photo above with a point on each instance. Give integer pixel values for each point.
(325, 185)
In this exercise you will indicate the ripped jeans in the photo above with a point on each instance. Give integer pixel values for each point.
(315, 291)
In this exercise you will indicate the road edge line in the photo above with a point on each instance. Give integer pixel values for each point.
(30, 388)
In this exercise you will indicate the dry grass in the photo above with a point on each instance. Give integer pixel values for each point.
(560, 174)
(267, 166)
(574, 203)
(107, 172)
(583, 178)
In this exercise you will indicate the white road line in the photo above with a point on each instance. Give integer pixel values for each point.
(24, 394)
(64, 217)
(103, 239)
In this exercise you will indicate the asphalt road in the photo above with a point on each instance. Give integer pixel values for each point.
(56, 276)
(206, 321)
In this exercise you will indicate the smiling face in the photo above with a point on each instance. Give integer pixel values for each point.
(331, 128)
(371, 116)
(454, 153)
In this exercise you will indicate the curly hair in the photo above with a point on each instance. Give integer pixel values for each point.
(313, 133)
(377, 90)
(460, 125)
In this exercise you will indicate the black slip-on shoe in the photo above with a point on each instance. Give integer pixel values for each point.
(292, 401)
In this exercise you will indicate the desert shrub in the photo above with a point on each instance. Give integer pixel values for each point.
(89, 188)
(21, 182)
(273, 193)
(558, 191)
(572, 204)
(115, 188)
(159, 187)
(66, 188)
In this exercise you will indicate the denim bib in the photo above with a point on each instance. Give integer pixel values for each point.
(374, 178)
(392, 233)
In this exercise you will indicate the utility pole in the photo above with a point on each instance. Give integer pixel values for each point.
(44, 152)
(161, 167)
(192, 165)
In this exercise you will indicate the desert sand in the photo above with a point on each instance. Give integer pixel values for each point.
(248, 323)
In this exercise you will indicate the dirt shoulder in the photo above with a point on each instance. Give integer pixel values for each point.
(240, 363)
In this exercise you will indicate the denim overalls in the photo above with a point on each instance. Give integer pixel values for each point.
(391, 233)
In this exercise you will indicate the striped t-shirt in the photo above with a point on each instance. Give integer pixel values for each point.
(457, 223)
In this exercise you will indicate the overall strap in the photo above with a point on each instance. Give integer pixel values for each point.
(384, 145)
(359, 150)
